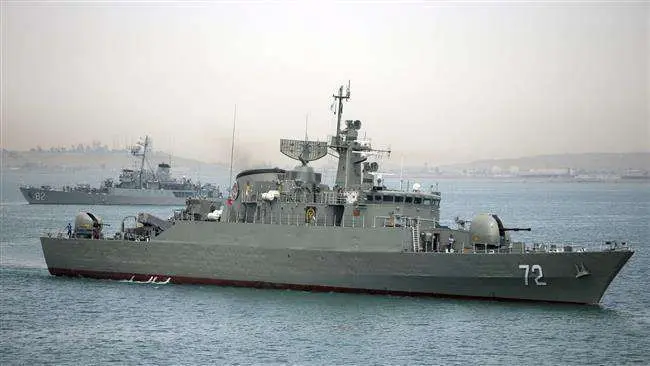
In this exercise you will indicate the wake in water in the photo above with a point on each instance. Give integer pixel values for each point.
(152, 279)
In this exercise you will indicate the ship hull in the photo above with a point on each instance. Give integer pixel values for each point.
(309, 260)
(115, 197)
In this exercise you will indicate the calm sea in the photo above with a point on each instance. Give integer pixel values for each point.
(50, 320)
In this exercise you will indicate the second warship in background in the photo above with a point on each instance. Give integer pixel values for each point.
(286, 229)
(141, 186)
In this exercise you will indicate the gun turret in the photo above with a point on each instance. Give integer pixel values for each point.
(487, 229)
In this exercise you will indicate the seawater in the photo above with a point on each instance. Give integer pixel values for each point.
(52, 320)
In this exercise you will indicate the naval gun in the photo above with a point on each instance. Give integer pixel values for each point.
(488, 230)
(88, 226)
(516, 229)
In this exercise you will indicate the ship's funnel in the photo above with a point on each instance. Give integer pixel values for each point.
(163, 172)
(304, 175)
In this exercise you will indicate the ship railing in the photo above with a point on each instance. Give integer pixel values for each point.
(401, 221)
(331, 198)
(552, 248)
(55, 234)
(613, 245)
(325, 198)
(520, 248)
(285, 197)
(346, 221)
(352, 221)
(301, 219)
(482, 249)
(605, 246)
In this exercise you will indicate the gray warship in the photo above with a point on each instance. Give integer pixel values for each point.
(286, 229)
(138, 186)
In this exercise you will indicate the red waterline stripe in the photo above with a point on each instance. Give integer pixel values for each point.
(269, 285)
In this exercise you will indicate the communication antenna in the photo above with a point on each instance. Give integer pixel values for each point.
(401, 174)
(339, 112)
(171, 148)
(232, 146)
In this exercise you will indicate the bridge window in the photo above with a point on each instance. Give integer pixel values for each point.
(377, 198)
(399, 199)
(369, 197)
(426, 201)
(388, 198)
(417, 200)
(408, 199)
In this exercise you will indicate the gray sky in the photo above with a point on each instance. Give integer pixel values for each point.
(436, 83)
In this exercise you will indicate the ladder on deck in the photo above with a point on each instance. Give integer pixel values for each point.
(415, 231)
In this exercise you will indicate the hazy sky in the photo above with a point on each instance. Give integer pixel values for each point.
(436, 83)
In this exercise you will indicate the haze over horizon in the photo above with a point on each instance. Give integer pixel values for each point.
(437, 83)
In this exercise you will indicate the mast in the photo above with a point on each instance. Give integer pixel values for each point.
(306, 122)
(232, 146)
(339, 112)
(343, 149)
(350, 151)
(144, 155)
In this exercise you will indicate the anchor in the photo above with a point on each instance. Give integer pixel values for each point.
(581, 270)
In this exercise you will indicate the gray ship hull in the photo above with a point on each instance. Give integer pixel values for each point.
(334, 259)
(116, 196)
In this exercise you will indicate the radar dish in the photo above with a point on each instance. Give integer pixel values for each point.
(304, 151)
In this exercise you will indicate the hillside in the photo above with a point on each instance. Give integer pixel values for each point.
(590, 162)
(114, 161)
(87, 160)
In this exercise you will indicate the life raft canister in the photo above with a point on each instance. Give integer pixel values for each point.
(310, 212)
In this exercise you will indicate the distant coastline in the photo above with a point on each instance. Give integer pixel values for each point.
(592, 167)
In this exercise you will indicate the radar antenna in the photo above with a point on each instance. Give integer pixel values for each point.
(303, 151)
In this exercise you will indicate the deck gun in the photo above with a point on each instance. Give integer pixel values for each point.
(516, 229)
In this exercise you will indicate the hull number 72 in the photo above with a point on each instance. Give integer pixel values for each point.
(536, 270)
